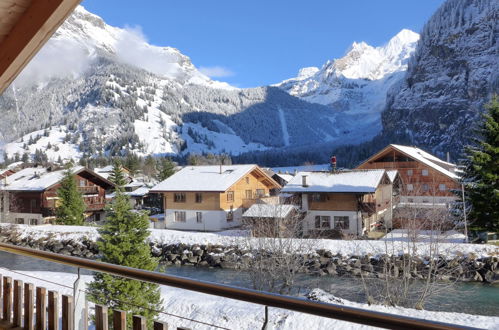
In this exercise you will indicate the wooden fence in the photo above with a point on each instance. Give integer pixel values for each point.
(25, 306)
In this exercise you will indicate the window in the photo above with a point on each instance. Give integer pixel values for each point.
(322, 222)
(316, 197)
(260, 193)
(33, 204)
(179, 216)
(179, 198)
(230, 196)
(33, 222)
(425, 187)
(199, 197)
(442, 187)
(82, 183)
(199, 217)
(19, 221)
(249, 194)
(409, 172)
(230, 215)
(424, 172)
(341, 222)
(410, 187)
(247, 180)
(410, 200)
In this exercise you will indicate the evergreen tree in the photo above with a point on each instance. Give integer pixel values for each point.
(166, 170)
(117, 177)
(71, 205)
(123, 241)
(482, 171)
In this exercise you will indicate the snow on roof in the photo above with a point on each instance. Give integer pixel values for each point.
(141, 192)
(364, 181)
(268, 211)
(427, 159)
(285, 177)
(108, 168)
(392, 174)
(34, 179)
(204, 178)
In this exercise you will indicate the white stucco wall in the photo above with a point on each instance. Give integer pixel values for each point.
(212, 220)
(355, 226)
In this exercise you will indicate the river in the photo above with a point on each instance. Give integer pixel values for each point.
(471, 298)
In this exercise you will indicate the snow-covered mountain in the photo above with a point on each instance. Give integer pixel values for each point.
(96, 89)
(357, 83)
(453, 72)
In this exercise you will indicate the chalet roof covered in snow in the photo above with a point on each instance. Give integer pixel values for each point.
(356, 181)
(40, 179)
(285, 177)
(209, 178)
(392, 174)
(269, 211)
(428, 159)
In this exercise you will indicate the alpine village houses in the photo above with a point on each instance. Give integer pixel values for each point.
(212, 198)
(29, 196)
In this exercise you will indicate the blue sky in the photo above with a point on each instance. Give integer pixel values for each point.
(254, 43)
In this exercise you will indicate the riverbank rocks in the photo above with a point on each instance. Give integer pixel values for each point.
(320, 262)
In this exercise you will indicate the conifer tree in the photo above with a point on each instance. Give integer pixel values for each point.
(166, 170)
(123, 241)
(117, 177)
(71, 208)
(482, 171)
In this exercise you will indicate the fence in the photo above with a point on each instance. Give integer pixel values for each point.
(19, 301)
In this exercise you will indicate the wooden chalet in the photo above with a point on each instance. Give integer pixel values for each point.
(29, 196)
(427, 181)
(349, 202)
(211, 198)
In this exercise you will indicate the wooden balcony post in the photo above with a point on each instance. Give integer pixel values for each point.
(41, 306)
(29, 293)
(18, 303)
(53, 310)
(7, 299)
(139, 323)
(119, 320)
(67, 313)
(101, 317)
(160, 325)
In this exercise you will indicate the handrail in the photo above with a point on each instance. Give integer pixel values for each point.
(339, 312)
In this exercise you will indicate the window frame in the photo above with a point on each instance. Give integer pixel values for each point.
(180, 216)
(199, 217)
(341, 219)
(410, 172)
(425, 172)
(410, 187)
(442, 187)
(179, 197)
(425, 187)
(259, 193)
(199, 198)
(248, 194)
(320, 220)
(230, 196)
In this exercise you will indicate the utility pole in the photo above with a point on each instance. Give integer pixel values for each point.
(464, 213)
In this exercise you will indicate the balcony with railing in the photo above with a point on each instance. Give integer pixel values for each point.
(28, 306)
(88, 190)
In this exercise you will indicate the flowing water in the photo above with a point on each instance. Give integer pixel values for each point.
(472, 298)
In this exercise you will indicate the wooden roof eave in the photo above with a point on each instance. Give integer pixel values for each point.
(30, 32)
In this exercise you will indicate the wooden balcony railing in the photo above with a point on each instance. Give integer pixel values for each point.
(18, 308)
(89, 190)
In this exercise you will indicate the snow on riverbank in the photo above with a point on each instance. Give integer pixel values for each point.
(234, 314)
(237, 237)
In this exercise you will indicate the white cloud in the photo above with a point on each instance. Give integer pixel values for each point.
(132, 48)
(57, 59)
(216, 71)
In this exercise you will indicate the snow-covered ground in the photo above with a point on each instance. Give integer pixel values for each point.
(342, 247)
(234, 314)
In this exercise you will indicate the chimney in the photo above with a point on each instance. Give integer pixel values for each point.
(220, 168)
(304, 181)
(448, 157)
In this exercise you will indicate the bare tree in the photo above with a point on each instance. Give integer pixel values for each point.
(277, 255)
(412, 267)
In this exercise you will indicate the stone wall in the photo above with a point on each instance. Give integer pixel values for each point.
(320, 262)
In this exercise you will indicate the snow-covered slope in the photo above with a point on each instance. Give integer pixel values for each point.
(453, 72)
